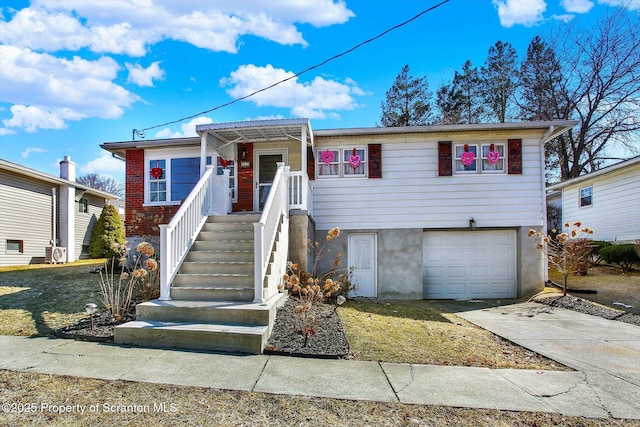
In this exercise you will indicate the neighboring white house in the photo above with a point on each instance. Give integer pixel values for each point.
(607, 200)
(44, 218)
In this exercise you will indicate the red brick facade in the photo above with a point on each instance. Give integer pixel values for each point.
(142, 220)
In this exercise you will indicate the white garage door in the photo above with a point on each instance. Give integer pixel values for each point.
(469, 264)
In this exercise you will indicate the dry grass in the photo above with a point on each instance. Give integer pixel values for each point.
(197, 406)
(612, 285)
(37, 299)
(420, 332)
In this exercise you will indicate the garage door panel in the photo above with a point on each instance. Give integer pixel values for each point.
(469, 264)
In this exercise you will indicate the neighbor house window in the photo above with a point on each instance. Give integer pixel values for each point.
(15, 246)
(479, 158)
(342, 162)
(586, 196)
(83, 205)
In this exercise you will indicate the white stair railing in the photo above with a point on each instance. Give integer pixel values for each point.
(210, 196)
(274, 219)
(300, 192)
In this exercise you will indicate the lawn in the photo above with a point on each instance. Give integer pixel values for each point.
(611, 284)
(35, 300)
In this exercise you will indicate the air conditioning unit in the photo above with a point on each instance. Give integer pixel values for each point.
(55, 254)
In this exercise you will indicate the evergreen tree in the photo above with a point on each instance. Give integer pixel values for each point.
(467, 85)
(408, 102)
(499, 81)
(107, 231)
(449, 105)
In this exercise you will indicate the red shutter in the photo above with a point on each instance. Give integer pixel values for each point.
(515, 156)
(375, 160)
(311, 164)
(445, 165)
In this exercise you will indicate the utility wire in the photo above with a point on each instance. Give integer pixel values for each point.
(140, 132)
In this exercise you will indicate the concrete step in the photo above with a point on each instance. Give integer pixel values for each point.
(235, 217)
(220, 312)
(213, 280)
(218, 245)
(218, 293)
(213, 267)
(226, 235)
(220, 256)
(227, 226)
(193, 336)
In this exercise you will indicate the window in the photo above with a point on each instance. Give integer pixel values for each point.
(15, 246)
(342, 162)
(83, 205)
(172, 179)
(231, 165)
(158, 180)
(586, 196)
(491, 160)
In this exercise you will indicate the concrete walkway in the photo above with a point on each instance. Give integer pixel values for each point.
(605, 354)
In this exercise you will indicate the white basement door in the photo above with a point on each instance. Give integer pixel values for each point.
(469, 264)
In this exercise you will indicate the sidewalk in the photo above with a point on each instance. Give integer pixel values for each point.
(605, 354)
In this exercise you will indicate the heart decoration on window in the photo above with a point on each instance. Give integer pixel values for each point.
(224, 163)
(354, 159)
(326, 156)
(493, 156)
(467, 157)
(156, 173)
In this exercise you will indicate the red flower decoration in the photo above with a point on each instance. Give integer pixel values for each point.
(156, 173)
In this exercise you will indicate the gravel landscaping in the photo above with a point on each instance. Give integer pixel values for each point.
(584, 306)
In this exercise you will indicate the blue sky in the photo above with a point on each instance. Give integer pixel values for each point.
(76, 73)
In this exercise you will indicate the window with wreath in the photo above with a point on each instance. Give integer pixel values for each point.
(223, 164)
(479, 158)
(341, 162)
(172, 179)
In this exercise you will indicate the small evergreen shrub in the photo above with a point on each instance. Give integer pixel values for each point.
(107, 231)
(596, 259)
(623, 255)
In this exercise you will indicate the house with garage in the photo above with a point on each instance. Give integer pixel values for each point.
(435, 212)
(607, 200)
(44, 218)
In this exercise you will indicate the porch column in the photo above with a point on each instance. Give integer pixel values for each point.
(203, 153)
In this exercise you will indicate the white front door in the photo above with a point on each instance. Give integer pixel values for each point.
(362, 262)
(265, 166)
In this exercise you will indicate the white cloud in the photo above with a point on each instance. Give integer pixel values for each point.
(106, 165)
(144, 76)
(566, 17)
(186, 130)
(577, 6)
(311, 99)
(627, 4)
(130, 26)
(47, 91)
(520, 12)
(30, 150)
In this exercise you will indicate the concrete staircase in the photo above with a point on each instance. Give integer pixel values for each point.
(211, 304)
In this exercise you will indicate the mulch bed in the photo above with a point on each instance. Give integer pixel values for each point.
(328, 341)
(102, 330)
(583, 306)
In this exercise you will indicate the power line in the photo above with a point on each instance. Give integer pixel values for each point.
(140, 132)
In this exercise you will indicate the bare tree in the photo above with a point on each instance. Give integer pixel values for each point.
(98, 182)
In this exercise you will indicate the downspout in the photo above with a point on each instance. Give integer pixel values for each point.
(53, 216)
(544, 192)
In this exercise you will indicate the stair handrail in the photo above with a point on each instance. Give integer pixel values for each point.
(265, 230)
(210, 196)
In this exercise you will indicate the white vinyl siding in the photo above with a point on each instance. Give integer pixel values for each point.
(410, 193)
(84, 223)
(614, 213)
